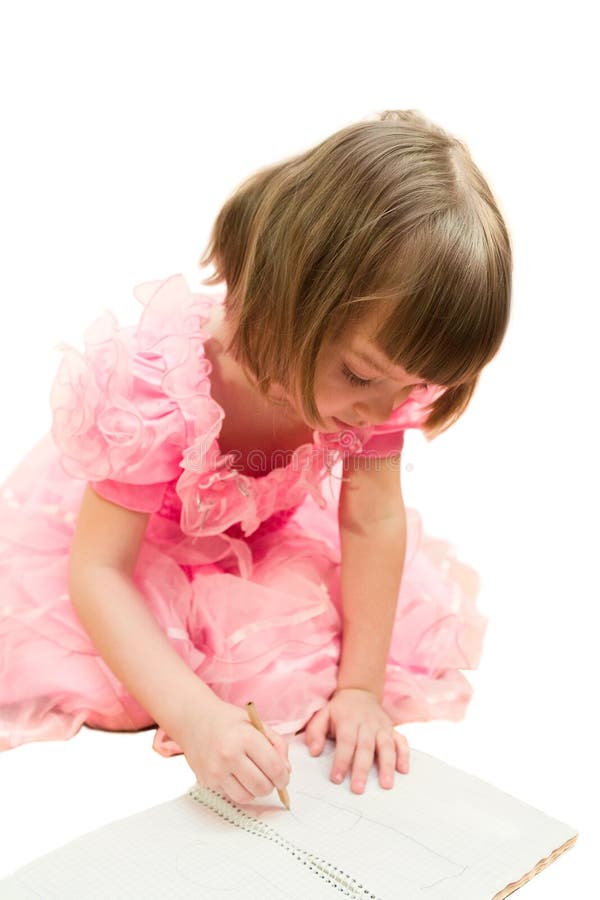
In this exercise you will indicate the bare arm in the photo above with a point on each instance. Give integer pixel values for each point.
(372, 522)
(115, 615)
(221, 745)
(371, 573)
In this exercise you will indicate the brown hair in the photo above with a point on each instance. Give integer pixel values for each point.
(391, 211)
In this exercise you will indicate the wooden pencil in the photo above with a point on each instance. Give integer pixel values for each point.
(256, 721)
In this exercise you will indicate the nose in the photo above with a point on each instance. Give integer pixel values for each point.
(374, 413)
(379, 409)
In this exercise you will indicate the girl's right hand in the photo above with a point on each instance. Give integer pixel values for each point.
(228, 754)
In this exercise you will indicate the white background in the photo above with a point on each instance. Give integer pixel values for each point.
(126, 125)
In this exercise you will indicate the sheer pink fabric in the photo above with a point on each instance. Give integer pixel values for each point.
(241, 572)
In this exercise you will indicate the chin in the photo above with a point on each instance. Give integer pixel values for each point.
(341, 422)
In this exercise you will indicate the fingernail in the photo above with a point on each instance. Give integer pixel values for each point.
(337, 777)
(359, 786)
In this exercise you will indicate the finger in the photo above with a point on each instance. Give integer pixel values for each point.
(316, 731)
(344, 751)
(253, 778)
(387, 757)
(267, 760)
(231, 788)
(402, 753)
(363, 759)
(280, 744)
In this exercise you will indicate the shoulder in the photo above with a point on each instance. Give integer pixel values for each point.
(126, 406)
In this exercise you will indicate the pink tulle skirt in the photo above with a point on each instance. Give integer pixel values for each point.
(273, 637)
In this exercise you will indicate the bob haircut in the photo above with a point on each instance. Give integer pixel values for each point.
(389, 212)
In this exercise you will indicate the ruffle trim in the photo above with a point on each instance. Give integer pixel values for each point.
(121, 407)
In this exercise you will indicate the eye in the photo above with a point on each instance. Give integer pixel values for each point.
(354, 379)
(364, 382)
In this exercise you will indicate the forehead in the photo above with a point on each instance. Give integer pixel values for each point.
(360, 344)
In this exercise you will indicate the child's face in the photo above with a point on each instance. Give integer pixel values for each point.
(342, 400)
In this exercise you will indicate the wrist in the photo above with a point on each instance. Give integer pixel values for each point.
(370, 676)
(192, 697)
(375, 692)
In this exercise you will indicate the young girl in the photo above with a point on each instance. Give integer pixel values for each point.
(217, 513)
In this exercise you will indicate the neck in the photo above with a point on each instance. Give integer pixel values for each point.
(276, 405)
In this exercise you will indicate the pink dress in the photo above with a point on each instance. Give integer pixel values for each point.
(242, 572)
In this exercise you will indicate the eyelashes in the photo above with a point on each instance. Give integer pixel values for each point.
(363, 382)
(354, 379)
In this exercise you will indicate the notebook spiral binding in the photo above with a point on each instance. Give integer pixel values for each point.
(331, 874)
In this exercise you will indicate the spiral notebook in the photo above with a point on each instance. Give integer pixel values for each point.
(440, 833)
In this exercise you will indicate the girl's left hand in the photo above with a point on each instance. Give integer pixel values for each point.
(361, 730)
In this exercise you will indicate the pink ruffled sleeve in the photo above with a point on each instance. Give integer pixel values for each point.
(123, 410)
(385, 440)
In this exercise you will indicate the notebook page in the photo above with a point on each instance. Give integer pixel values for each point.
(439, 833)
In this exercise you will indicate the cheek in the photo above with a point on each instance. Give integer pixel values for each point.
(336, 390)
